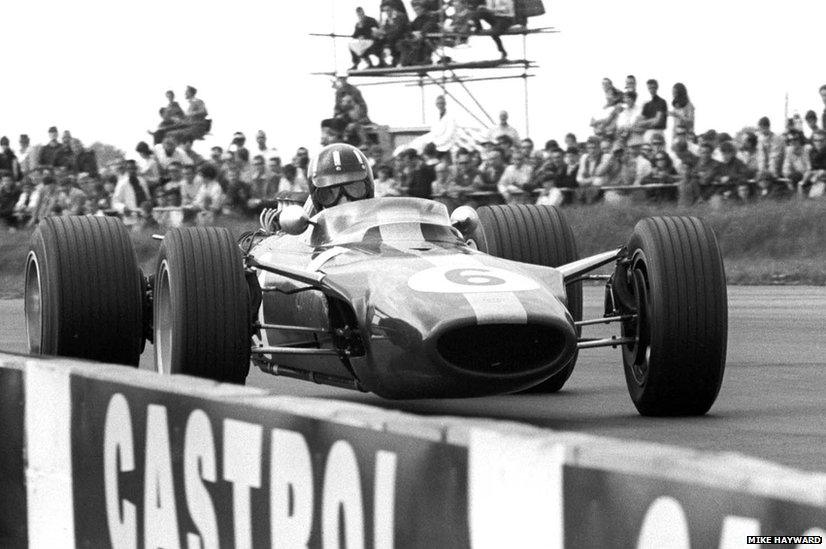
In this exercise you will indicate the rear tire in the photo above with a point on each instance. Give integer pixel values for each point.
(678, 283)
(201, 306)
(539, 235)
(83, 291)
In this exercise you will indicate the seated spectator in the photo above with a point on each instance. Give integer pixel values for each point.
(571, 142)
(9, 195)
(503, 128)
(26, 156)
(190, 185)
(814, 183)
(288, 181)
(8, 160)
(148, 167)
(636, 167)
(393, 27)
(416, 177)
(210, 196)
(64, 156)
(168, 152)
(689, 190)
(261, 187)
(463, 179)
(492, 169)
(604, 122)
(441, 184)
(500, 15)
(194, 123)
(796, 161)
(662, 172)
(85, 160)
(238, 197)
(385, 184)
(586, 173)
(131, 191)
(732, 171)
(24, 208)
(609, 171)
(707, 171)
(49, 150)
(172, 110)
(416, 48)
(362, 45)
(69, 198)
(194, 158)
(515, 184)
(748, 154)
(344, 88)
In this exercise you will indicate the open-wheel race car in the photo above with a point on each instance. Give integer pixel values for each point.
(392, 296)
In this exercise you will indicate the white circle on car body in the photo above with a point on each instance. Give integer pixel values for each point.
(465, 280)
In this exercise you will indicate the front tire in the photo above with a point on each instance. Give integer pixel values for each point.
(676, 279)
(539, 235)
(201, 306)
(83, 291)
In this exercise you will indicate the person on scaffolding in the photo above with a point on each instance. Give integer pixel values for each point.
(416, 48)
(393, 27)
(362, 45)
(499, 14)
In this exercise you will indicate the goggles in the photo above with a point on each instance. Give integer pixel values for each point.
(329, 196)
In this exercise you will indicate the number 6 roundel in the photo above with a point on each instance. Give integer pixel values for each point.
(450, 280)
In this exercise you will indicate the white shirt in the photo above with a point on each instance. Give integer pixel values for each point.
(628, 116)
(164, 160)
(210, 192)
(124, 196)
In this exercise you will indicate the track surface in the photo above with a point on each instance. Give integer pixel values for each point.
(771, 405)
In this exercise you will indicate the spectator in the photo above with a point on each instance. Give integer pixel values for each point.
(416, 176)
(24, 208)
(657, 146)
(263, 149)
(393, 26)
(196, 111)
(190, 185)
(85, 160)
(186, 149)
(442, 133)
(49, 150)
(683, 110)
(64, 156)
(238, 196)
(385, 184)
(210, 196)
(362, 45)
(492, 169)
(500, 15)
(588, 165)
(148, 167)
(238, 148)
(416, 48)
(131, 192)
(814, 183)
(654, 112)
(707, 171)
(503, 128)
(689, 190)
(571, 142)
(628, 128)
(172, 110)
(823, 98)
(796, 161)
(748, 154)
(301, 162)
(604, 122)
(9, 195)
(168, 152)
(262, 186)
(173, 184)
(274, 169)
(811, 125)
(769, 151)
(464, 178)
(662, 172)
(288, 180)
(344, 88)
(8, 160)
(42, 198)
(733, 173)
(26, 156)
(636, 167)
(441, 184)
(609, 171)
(515, 183)
(630, 83)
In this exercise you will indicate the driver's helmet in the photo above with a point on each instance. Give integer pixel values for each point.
(339, 173)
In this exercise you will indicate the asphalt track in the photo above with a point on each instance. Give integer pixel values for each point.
(771, 406)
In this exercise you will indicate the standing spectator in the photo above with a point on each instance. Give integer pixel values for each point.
(769, 151)
(515, 183)
(683, 110)
(571, 141)
(301, 162)
(628, 128)
(85, 160)
(210, 196)
(503, 128)
(148, 167)
(263, 149)
(654, 112)
(796, 161)
(131, 192)
(362, 45)
(239, 150)
(49, 150)
(385, 184)
(26, 156)
(604, 122)
(288, 180)
(689, 190)
(8, 160)
(274, 169)
(823, 98)
(631, 83)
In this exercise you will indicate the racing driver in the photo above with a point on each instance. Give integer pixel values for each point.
(339, 173)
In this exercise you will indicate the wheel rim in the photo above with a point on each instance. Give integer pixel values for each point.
(163, 322)
(638, 354)
(33, 305)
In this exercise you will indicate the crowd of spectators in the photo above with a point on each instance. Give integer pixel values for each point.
(636, 152)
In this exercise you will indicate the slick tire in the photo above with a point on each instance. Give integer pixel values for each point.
(534, 234)
(83, 293)
(676, 278)
(201, 306)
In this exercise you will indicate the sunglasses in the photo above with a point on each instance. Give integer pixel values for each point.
(329, 196)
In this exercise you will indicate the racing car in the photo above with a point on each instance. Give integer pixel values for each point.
(392, 296)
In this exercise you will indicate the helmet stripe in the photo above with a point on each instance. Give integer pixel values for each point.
(337, 159)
